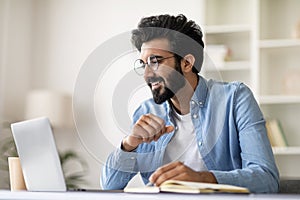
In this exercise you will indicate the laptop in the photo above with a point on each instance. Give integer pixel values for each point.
(38, 155)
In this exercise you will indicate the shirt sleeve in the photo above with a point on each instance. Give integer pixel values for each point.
(118, 170)
(120, 166)
(259, 172)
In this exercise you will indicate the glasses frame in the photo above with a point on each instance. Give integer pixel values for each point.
(153, 62)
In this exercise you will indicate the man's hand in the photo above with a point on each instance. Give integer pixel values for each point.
(178, 171)
(147, 129)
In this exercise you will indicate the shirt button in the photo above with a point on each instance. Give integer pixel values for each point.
(195, 116)
(192, 102)
(176, 128)
(132, 158)
(200, 102)
(200, 143)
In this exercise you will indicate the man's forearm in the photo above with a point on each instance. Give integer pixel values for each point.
(118, 169)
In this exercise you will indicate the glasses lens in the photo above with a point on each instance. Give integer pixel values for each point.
(153, 63)
(139, 67)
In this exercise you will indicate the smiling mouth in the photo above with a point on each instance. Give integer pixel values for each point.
(155, 85)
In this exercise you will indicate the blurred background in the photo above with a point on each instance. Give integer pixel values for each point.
(44, 43)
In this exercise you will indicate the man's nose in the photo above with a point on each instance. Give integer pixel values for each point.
(148, 71)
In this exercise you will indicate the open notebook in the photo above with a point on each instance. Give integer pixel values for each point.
(188, 187)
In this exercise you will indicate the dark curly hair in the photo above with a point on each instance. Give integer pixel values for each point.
(185, 37)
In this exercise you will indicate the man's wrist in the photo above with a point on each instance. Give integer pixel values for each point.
(208, 177)
(126, 147)
(211, 177)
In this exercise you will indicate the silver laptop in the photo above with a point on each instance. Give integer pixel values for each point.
(38, 155)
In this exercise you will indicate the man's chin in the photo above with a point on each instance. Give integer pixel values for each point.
(161, 98)
(158, 101)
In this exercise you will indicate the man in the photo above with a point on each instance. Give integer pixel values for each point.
(193, 129)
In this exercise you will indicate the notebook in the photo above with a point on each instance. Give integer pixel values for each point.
(38, 155)
(175, 186)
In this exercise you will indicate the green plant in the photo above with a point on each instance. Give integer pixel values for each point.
(75, 177)
(7, 149)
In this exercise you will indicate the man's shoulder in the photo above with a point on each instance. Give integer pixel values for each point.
(219, 83)
(227, 90)
(227, 86)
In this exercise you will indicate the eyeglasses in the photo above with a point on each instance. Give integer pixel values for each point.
(152, 61)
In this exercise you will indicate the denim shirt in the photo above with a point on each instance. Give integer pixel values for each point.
(231, 137)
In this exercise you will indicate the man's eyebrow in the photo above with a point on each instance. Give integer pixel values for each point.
(157, 56)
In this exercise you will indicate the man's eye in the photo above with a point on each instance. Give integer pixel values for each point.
(153, 62)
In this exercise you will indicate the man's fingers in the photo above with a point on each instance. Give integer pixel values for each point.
(147, 129)
(148, 132)
(165, 172)
(154, 127)
(156, 119)
(152, 122)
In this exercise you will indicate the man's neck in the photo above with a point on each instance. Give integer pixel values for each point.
(181, 100)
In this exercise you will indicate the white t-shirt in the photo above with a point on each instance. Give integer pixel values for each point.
(183, 146)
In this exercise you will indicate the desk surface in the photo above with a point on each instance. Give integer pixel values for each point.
(7, 195)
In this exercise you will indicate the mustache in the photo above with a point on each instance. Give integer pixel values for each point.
(154, 79)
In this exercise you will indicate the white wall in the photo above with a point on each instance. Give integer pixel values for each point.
(15, 62)
(67, 31)
(48, 41)
(15, 55)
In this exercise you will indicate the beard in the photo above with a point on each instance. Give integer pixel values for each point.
(174, 82)
(160, 98)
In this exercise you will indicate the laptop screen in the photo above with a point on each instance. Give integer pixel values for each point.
(38, 155)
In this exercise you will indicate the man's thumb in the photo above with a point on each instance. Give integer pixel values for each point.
(169, 129)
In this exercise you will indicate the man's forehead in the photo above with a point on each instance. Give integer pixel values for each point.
(156, 44)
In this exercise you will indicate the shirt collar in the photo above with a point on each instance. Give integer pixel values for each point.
(200, 94)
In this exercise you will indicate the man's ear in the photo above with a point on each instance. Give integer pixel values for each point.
(187, 63)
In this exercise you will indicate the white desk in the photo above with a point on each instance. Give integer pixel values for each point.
(7, 195)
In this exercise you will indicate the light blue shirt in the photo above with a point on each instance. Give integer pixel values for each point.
(231, 138)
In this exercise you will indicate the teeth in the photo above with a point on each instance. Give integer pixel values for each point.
(155, 83)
